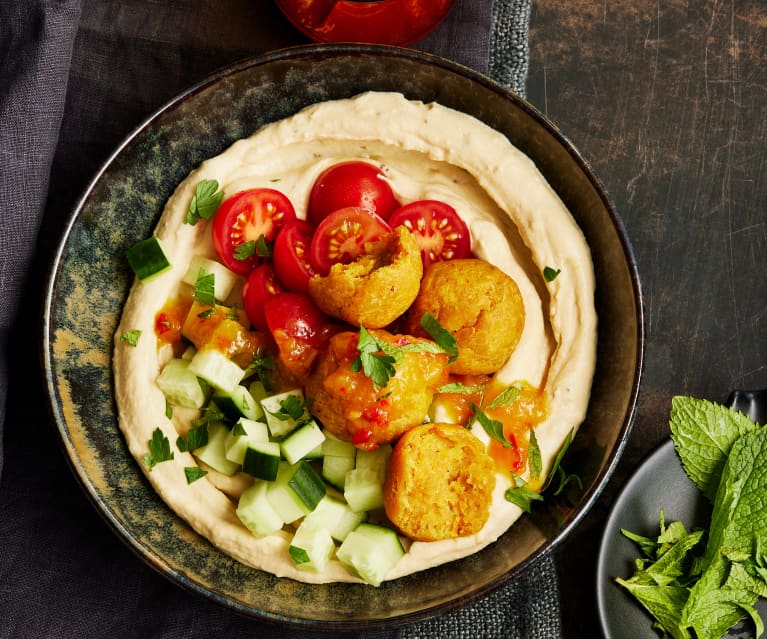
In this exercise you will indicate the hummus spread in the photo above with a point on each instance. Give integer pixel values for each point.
(517, 222)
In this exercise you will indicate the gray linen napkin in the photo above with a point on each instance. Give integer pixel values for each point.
(116, 63)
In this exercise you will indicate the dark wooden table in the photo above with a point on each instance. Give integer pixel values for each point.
(668, 102)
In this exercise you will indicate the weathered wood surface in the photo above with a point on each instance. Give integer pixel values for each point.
(668, 102)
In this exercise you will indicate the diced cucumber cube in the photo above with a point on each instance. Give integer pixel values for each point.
(334, 469)
(147, 258)
(257, 390)
(214, 452)
(244, 433)
(238, 403)
(337, 447)
(293, 497)
(302, 442)
(278, 419)
(189, 353)
(255, 511)
(262, 460)
(335, 516)
(370, 552)
(223, 279)
(180, 385)
(311, 548)
(363, 489)
(375, 460)
(216, 369)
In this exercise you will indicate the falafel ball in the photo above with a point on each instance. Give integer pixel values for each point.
(439, 483)
(353, 408)
(377, 287)
(479, 304)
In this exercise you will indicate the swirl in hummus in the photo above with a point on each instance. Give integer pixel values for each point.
(517, 223)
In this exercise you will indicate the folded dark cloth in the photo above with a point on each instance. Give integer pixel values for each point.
(75, 77)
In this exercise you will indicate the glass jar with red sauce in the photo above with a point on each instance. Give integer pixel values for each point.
(395, 22)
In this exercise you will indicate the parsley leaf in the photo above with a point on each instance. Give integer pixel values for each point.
(261, 367)
(492, 427)
(205, 202)
(245, 250)
(204, 288)
(159, 449)
(441, 335)
(195, 438)
(193, 473)
(377, 365)
(522, 496)
(131, 337)
(292, 408)
(550, 274)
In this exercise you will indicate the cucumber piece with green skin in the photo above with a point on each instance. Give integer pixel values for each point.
(336, 517)
(180, 385)
(262, 460)
(334, 469)
(147, 259)
(370, 552)
(216, 369)
(223, 279)
(375, 460)
(279, 421)
(302, 442)
(335, 447)
(255, 511)
(311, 548)
(238, 403)
(244, 433)
(296, 491)
(214, 452)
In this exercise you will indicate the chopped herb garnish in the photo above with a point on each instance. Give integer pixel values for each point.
(232, 314)
(460, 389)
(506, 397)
(261, 367)
(550, 274)
(205, 202)
(238, 430)
(193, 473)
(207, 313)
(204, 288)
(131, 337)
(196, 437)
(275, 179)
(377, 365)
(535, 460)
(521, 495)
(492, 427)
(298, 555)
(441, 335)
(245, 250)
(168, 409)
(562, 477)
(291, 408)
(159, 449)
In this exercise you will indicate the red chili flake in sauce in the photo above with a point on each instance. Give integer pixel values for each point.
(362, 436)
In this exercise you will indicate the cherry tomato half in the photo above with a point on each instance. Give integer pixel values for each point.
(290, 256)
(439, 230)
(244, 218)
(352, 183)
(341, 237)
(294, 315)
(260, 286)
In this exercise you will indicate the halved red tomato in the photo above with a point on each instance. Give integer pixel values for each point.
(296, 316)
(341, 237)
(290, 256)
(352, 183)
(260, 286)
(242, 220)
(439, 230)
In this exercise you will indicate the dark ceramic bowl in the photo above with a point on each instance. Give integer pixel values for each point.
(90, 281)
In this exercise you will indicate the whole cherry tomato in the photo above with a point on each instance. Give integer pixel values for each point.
(290, 256)
(352, 183)
(242, 220)
(439, 230)
(341, 237)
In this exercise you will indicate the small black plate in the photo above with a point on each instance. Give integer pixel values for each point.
(660, 482)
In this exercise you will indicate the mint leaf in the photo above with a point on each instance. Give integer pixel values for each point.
(159, 449)
(460, 389)
(703, 433)
(204, 203)
(492, 427)
(506, 397)
(520, 495)
(534, 456)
